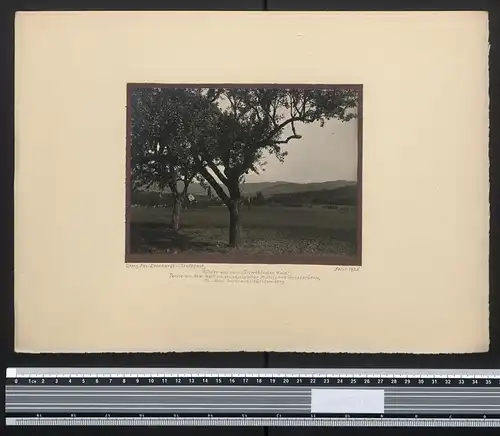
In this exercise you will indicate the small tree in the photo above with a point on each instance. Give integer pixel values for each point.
(253, 121)
(165, 124)
(259, 198)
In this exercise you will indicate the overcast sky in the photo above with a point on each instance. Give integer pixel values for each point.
(323, 154)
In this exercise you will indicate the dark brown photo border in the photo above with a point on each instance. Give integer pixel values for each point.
(130, 257)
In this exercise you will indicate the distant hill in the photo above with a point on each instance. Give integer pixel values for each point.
(338, 192)
(273, 188)
(343, 195)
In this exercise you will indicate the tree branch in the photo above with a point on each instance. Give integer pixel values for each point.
(304, 104)
(218, 172)
(173, 188)
(252, 106)
(281, 126)
(275, 110)
(184, 192)
(233, 104)
(217, 188)
(288, 139)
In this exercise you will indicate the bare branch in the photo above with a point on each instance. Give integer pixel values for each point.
(279, 127)
(288, 139)
(218, 173)
(217, 188)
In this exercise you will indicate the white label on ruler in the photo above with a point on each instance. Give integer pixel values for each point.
(347, 401)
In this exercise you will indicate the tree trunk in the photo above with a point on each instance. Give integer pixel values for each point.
(176, 214)
(185, 200)
(234, 224)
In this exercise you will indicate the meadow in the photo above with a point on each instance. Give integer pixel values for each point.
(266, 230)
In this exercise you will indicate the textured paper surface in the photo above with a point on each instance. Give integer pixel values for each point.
(423, 284)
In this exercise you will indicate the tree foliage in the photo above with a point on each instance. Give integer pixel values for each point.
(166, 123)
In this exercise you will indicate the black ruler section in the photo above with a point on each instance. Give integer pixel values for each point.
(120, 393)
(256, 381)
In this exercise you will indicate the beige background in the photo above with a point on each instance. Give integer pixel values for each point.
(423, 286)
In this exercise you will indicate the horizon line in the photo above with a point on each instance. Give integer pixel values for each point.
(297, 183)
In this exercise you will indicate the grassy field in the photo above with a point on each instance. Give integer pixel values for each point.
(266, 230)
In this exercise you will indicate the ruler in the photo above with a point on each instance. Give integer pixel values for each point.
(252, 397)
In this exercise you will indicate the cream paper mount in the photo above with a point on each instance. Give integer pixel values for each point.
(422, 284)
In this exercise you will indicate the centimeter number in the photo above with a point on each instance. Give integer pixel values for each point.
(255, 381)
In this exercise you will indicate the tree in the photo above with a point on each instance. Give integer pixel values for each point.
(165, 124)
(253, 121)
(259, 198)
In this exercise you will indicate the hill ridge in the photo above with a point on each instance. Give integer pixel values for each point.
(273, 188)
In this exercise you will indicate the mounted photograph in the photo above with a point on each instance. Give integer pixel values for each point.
(257, 174)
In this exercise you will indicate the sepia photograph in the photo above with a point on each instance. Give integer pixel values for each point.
(266, 174)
